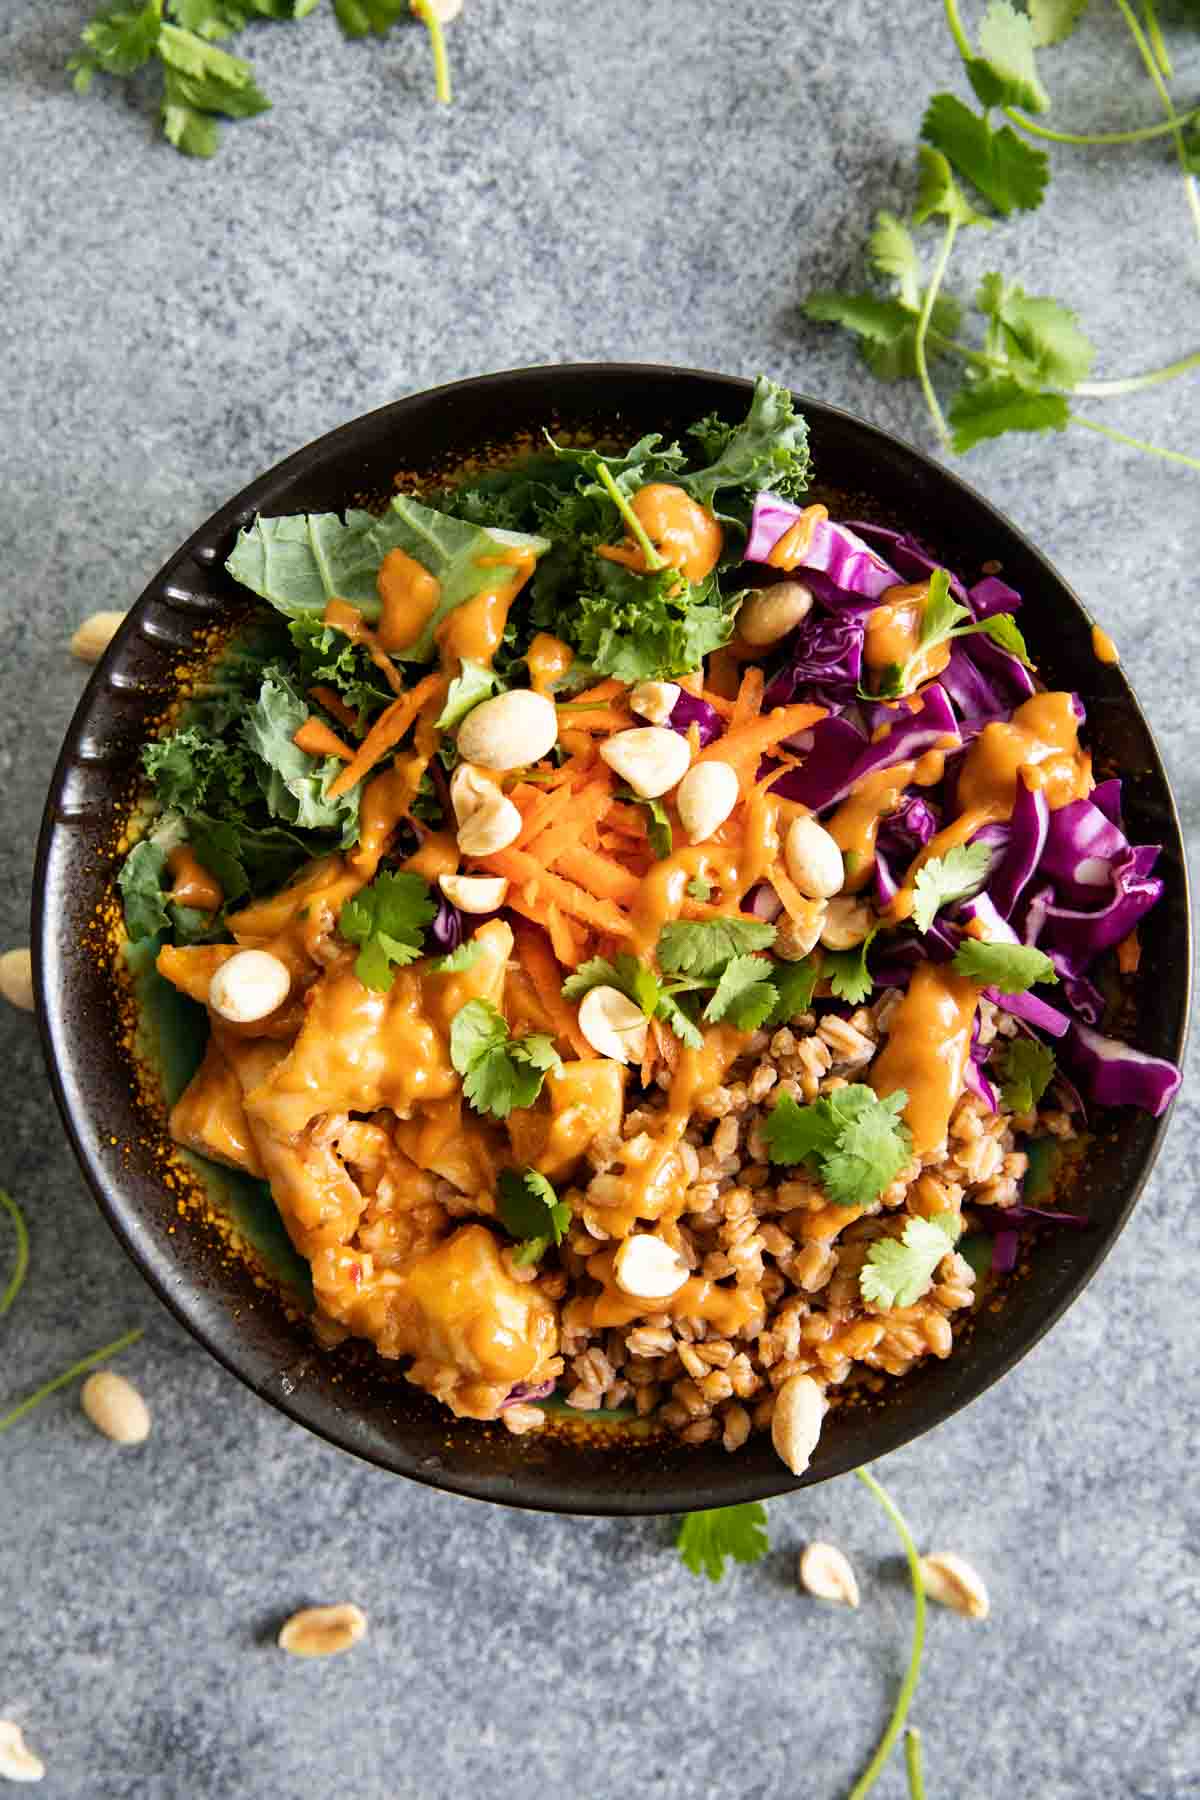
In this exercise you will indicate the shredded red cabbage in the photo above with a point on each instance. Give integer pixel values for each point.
(1115, 1074)
(690, 710)
(446, 926)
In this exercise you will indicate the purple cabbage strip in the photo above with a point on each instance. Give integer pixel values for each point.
(908, 555)
(823, 781)
(979, 1084)
(1082, 996)
(690, 710)
(900, 836)
(446, 927)
(1035, 1012)
(833, 748)
(832, 550)
(823, 662)
(977, 698)
(995, 929)
(762, 902)
(1113, 1073)
(1079, 937)
(991, 595)
(1027, 838)
(1107, 796)
(1081, 846)
(1006, 1246)
(524, 1395)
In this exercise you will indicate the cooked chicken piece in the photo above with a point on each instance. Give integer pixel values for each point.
(577, 1103)
(209, 1116)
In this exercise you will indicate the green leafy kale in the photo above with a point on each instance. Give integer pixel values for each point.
(853, 1142)
(705, 1539)
(141, 885)
(531, 1211)
(646, 627)
(474, 683)
(302, 561)
(295, 783)
(499, 1072)
(328, 658)
(769, 449)
(387, 919)
(898, 1272)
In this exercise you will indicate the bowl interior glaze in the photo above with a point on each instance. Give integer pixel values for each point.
(353, 1399)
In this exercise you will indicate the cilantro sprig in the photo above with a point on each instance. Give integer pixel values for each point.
(387, 920)
(898, 1271)
(530, 1210)
(1009, 967)
(852, 1141)
(499, 1072)
(955, 876)
(201, 83)
(942, 620)
(705, 1539)
(1028, 358)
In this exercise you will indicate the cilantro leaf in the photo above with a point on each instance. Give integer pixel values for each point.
(1026, 1069)
(962, 871)
(898, 1272)
(941, 611)
(386, 918)
(705, 1539)
(987, 409)
(627, 974)
(530, 1210)
(699, 889)
(795, 983)
(1006, 74)
(886, 330)
(894, 253)
(1008, 172)
(1038, 338)
(499, 1072)
(455, 961)
(855, 1143)
(684, 1027)
(1010, 968)
(744, 993)
(703, 947)
(119, 40)
(847, 972)
(658, 825)
(938, 192)
(1003, 630)
(1054, 20)
(475, 683)
(358, 17)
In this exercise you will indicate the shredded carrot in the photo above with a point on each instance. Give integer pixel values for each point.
(649, 1058)
(748, 704)
(576, 768)
(341, 616)
(545, 809)
(1129, 953)
(333, 703)
(598, 695)
(582, 810)
(386, 733)
(606, 879)
(597, 718)
(722, 674)
(744, 747)
(719, 703)
(318, 739)
(536, 957)
(523, 868)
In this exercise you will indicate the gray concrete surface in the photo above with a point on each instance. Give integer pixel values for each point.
(654, 179)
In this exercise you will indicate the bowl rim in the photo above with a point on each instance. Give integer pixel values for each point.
(892, 1430)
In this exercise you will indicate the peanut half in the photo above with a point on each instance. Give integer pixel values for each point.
(951, 1581)
(826, 1573)
(16, 978)
(115, 1407)
(17, 1760)
(323, 1630)
(95, 635)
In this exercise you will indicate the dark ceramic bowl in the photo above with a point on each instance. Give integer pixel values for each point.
(354, 1399)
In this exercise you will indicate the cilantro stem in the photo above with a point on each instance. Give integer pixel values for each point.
(912, 1764)
(922, 330)
(909, 1685)
(1155, 74)
(1121, 437)
(1154, 33)
(68, 1375)
(428, 16)
(1141, 134)
(654, 560)
(21, 1261)
(1132, 384)
(957, 32)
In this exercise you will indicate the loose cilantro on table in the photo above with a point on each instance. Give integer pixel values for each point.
(1025, 1068)
(705, 1539)
(202, 83)
(530, 1210)
(387, 919)
(499, 1072)
(1009, 967)
(898, 1271)
(960, 873)
(852, 1141)
(1021, 371)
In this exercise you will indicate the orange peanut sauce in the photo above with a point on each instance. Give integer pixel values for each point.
(686, 536)
(1103, 648)
(790, 550)
(926, 1053)
(192, 883)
